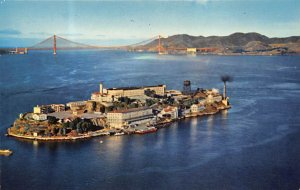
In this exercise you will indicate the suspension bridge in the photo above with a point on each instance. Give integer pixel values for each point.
(155, 43)
(56, 43)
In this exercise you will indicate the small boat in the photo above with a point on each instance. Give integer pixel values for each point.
(5, 152)
(143, 131)
(119, 134)
(101, 142)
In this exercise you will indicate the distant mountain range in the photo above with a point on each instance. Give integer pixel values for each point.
(237, 43)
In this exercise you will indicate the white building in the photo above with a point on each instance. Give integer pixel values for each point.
(170, 110)
(195, 108)
(120, 118)
(173, 92)
(76, 104)
(39, 117)
(41, 109)
(100, 97)
(213, 98)
(49, 108)
(58, 107)
(218, 98)
(159, 89)
(135, 91)
(191, 50)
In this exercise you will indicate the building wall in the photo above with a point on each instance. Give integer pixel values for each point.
(58, 107)
(41, 109)
(160, 90)
(191, 50)
(173, 111)
(39, 117)
(118, 119)
(218, 98)
(134, 92)
(75, 104)
(115, 92)
(194, 108)
(101, 98)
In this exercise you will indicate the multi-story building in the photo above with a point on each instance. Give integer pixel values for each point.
(120, 118)
(76, 104)
(135, 91)
(159, 89)
(213, 98)
(196, 108)
(111, 94)
(39, 117)
(100, 97)
(170, 110)
(191, 50)
(58, 107)
(43, 109)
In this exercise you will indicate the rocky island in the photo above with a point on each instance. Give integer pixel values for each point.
(118, 111)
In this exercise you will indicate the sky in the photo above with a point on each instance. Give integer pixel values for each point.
(23, 23)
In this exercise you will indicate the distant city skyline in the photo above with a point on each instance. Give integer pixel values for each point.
(122, 22)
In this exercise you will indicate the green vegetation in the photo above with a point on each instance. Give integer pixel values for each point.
(51, 127)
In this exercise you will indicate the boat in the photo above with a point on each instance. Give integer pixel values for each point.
(147, 130)
(119, 134)
(5, 152)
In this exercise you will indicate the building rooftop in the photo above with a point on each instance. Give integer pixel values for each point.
(99, 93)
(135, 87)
(130, 110)
(169, 108)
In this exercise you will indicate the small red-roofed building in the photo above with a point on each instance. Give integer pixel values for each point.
(172, 111)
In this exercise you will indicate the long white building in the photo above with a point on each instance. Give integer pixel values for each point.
(120, 118)
(135, 91)
(112, 94)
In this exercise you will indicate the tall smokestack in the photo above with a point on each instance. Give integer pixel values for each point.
(224, 92)
(101, 88)
(225, 79)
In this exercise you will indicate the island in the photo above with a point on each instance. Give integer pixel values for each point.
(118, 111)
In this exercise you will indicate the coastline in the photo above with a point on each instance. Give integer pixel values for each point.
(104, 132)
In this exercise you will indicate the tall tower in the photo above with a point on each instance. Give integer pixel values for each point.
(101, 88)
(159, 45)
(186, 87)
(224, 91)
(54, 44)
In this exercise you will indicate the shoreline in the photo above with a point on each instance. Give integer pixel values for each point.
(106, 133)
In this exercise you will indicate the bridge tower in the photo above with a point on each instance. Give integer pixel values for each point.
(159, 45)
(54, 44)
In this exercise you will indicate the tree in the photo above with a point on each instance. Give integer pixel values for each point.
(125, 100)
(66, 125)
(102, 109)
(150, 102)
(150, 93)
(62, 131)
(52, 120)
(72, 125)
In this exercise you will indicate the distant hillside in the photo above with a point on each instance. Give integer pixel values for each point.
(234, 43)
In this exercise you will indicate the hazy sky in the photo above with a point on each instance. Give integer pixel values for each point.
(112, 22)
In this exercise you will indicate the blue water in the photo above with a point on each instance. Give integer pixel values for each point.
(254, 145)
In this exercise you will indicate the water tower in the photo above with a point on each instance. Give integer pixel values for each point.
(186, 87)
